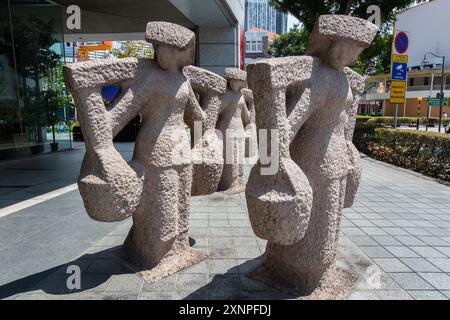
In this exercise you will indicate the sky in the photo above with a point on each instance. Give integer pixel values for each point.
(292, 21)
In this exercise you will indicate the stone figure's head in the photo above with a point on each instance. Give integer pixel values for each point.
(174, 45)
(339, 40)
(236, 78)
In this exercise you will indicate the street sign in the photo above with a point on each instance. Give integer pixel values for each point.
(400, 58)
(436, 102)
(401, 42)
(398, 91)
(399, 71)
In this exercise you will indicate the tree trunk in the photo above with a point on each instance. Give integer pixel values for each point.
(53, 132)
(37, 89)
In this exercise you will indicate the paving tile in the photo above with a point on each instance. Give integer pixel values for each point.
(190, 281)
(396, 231)
(363, 295)
(383, 223)
(105, 266)
(223, 266)
(219, 223)
(402, 252)
(363, 240)
(438, 232)
(444, 250)
(155, 296)
(419, 265)
(362, 223)
(391, 265)
(403, 223)
(354, 231)
(393, 295)
(433, 241)
(410, 240)
(222, 253)
(410, 281)
(417, 231)
(374, 231)
(386, 240)
(165, 285)
(441, 263)
(427, 295)
(120, 295)
(375, 252)
(428, 252)
(125, 283)
(201, 267)
(440, 281)
(247, 252)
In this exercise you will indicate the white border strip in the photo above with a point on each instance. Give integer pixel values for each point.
(36, 200)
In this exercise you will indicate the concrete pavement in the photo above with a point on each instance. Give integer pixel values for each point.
(396, 237)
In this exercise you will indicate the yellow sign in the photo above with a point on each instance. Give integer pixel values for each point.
(400, 58)
(398, 91)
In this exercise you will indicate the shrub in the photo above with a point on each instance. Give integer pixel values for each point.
(424, 152)
(364, 136)
(401, 121)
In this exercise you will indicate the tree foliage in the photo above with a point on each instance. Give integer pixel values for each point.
(292, 43)
(33, 38)
(373, 60)
(132, 49)
(307, 11)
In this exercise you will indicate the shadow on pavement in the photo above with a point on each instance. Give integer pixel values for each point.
(95, 269)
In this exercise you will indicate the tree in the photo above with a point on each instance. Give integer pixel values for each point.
(292, 43)
(132, 49)
(33, 38)
(307, 11)
(377, 57)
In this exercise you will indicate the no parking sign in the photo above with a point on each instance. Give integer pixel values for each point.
(401, 42)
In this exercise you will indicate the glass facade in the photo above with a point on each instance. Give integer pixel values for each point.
(260, 14)
(33, 98)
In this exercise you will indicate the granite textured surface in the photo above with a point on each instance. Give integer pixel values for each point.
(310, 102)
(155, 186)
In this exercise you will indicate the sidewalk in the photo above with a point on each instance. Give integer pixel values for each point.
(400, 223)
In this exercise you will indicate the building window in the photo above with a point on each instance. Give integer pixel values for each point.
(411, 82)
(426, 81)
(259, 46)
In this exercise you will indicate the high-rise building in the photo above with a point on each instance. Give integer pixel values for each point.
(260, 14)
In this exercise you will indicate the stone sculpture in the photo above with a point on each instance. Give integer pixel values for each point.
(234, 119)
(251, 140)
(311, 101)
(155, 186)
(207, 145)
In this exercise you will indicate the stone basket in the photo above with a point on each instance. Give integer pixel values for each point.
(279, 205)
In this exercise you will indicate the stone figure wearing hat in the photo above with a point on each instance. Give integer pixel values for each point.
(155, 186)
(311, 101)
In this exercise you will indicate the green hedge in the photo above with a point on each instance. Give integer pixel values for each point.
(389, 121)
(425, 152)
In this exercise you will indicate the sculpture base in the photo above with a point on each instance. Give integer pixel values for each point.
(333, 285)
(235, 189)
(169, 265)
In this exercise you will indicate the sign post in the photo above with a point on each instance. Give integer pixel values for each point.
(418, 111)
(399, 71)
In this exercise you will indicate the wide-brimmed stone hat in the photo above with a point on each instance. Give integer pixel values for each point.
(235, 74)
(333, 27)
(169, 34)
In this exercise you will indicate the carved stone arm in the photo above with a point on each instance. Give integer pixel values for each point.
(104, 172)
